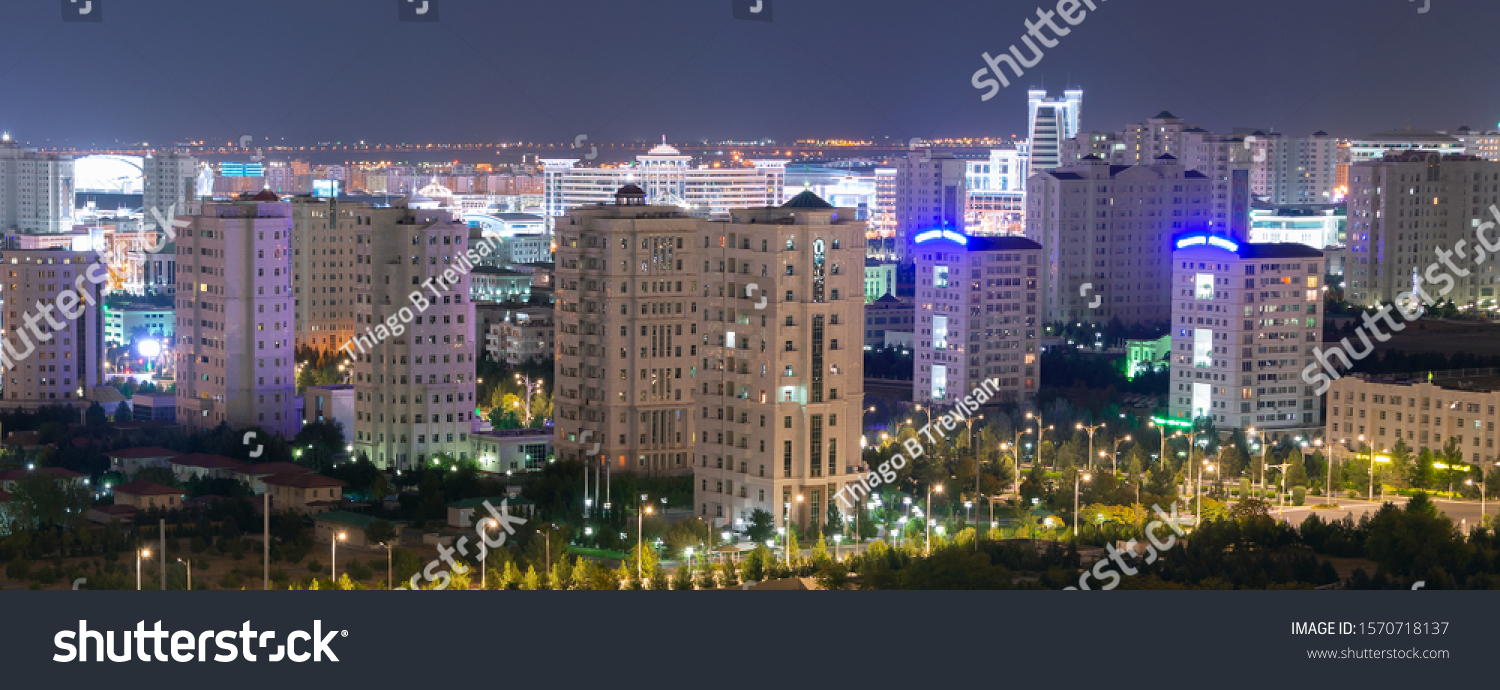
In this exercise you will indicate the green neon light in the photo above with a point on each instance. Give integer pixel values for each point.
(1172, 422)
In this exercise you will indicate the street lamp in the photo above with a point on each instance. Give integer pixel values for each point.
(333, 567)
(388, 584)
(484, 555)
(190, 570)
(640, 513)
(1091, 429)
(1077, 477)
(139, 554)
(927, 517)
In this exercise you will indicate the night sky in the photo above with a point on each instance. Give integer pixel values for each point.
(505, 70)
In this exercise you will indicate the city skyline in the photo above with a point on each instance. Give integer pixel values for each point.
(1335, 80)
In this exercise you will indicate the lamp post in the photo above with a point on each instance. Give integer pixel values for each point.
(1091, 429)
(139, 554)
(391, 585)
(190, 571)
(484, 557)
(975, 451)
(927, 518)
(333, 566)
(640, 514)
(838, 539)
(1281, 495)
(1077, 476)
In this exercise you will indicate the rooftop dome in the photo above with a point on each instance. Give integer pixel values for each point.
(807, 200)
(436, 191)
(630, 195)
(663, 149)
(265, 195)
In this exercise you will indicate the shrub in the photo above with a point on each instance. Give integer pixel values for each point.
(314, 566)
(17, 569)
(359, 571)
(198, 545)
(231, 580)
(1299, 495)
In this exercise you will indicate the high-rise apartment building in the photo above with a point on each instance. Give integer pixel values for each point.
(1222, 158)
(883, 221)
(414, 368)
(1407, 208)
(669, 179)
(780, 393)
(1245, 320)
(235, 361)
(169, 185)
(53, 345)
(328, 265)
(1293, 171)
(978, 312)
(931, 192)
(1050, 123)
(628, 336)
(996, 189)
(1106, 232)
(36, 190)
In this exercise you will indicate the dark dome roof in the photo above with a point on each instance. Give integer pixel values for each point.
(265, 195)
(807, 200)
(631, 189)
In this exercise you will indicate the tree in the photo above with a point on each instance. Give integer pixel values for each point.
(95, 416)
(762, 526)
(380, 532)
(1296, 473)
(39, 501)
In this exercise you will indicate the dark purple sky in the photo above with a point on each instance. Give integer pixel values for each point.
(491, 70)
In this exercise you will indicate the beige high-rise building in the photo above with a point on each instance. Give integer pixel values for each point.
(628, 338)
(327, 266)
(1106, 232)
(1409, 210)
(781, 391)
(53, 345)
(730, 349)
(931, 192)
(414, 370)
(234, 317)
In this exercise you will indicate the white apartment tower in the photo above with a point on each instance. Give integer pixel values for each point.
(235, 362)
(931, 192)
(414, 369)
(1244, 324)
(1293, 171)
(1408, 209)
(1106, 232)
(36, 190)
(780, 392)
(978, 309)
(1049, 123)
(53, 345)
(628, 338)
(169, 184)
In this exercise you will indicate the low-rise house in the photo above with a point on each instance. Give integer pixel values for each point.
(200, 465)
(8, 478)
(130, 460)
(305, 493)
(461, 513)
(327, 526)
(254, 474)
(144, 495)
(512, 450)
